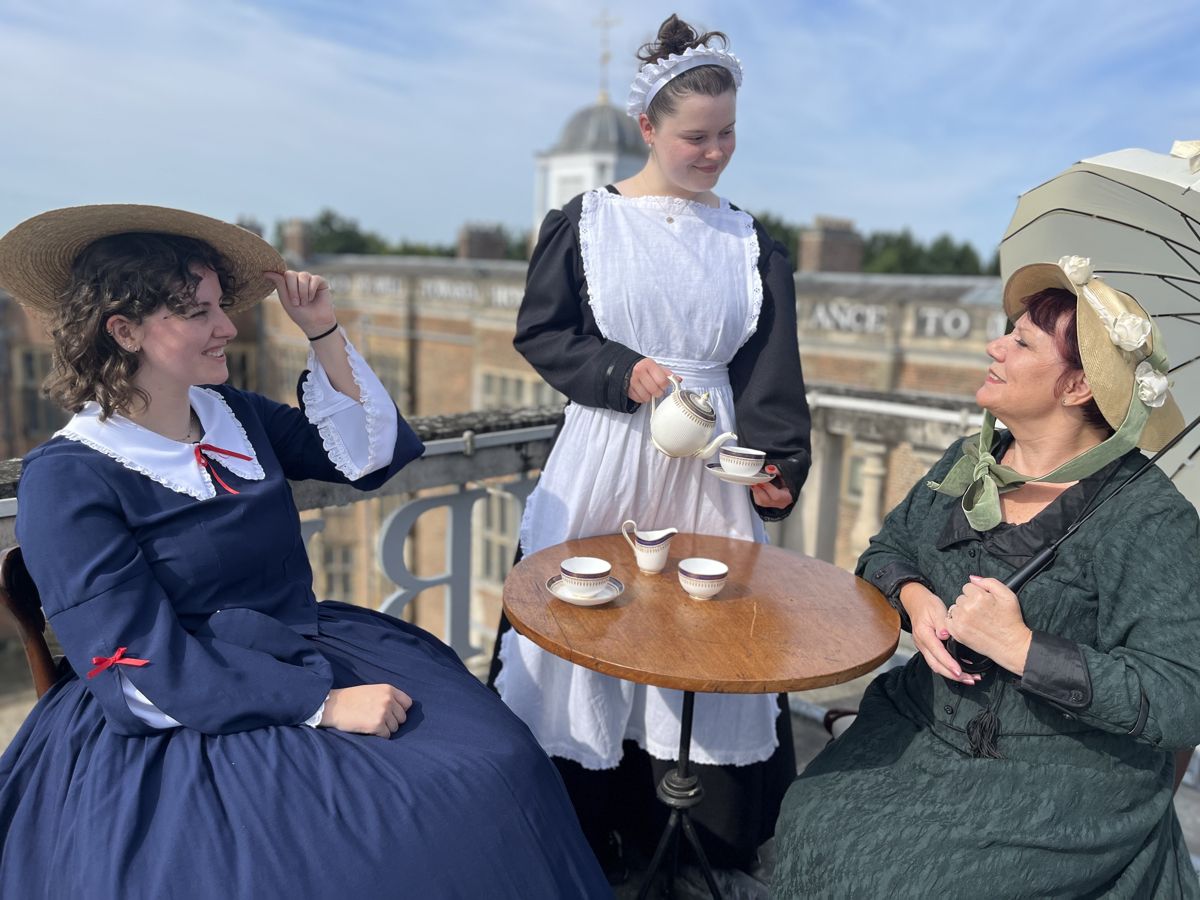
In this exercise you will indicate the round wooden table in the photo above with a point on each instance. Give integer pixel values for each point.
(783, 622)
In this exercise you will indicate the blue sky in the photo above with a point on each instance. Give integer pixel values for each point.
(416, 117)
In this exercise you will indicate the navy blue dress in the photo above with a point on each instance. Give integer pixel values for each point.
(244, 799)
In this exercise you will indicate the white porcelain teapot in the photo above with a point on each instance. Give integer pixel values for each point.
(682, 425)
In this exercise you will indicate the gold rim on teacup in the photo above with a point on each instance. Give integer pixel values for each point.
(741, 460)
(585, 576)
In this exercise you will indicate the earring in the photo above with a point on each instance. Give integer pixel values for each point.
(1064, 401)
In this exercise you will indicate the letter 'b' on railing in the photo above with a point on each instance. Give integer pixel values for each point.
(456, 578)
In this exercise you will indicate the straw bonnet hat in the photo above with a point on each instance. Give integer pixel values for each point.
(1121, 349)
(36, 256)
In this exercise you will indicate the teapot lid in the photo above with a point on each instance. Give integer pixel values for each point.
(698, 405)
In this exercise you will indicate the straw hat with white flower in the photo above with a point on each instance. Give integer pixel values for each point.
(1122, 351)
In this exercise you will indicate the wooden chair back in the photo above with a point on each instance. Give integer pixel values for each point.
(19, 595)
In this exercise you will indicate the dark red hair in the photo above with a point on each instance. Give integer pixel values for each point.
(1046, 310)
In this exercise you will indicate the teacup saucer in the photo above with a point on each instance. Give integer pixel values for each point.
(758, 478)
(610, 591)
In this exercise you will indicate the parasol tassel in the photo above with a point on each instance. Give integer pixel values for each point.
(1189, 150)
(983, 731)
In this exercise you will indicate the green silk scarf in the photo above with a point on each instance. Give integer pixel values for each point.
(980, 480)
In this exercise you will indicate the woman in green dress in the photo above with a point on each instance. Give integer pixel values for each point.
(1050, 774)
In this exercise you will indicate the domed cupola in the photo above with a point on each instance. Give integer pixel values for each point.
(599, 144)
(601, 128)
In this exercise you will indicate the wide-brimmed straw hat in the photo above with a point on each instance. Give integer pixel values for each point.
(36, 256)
(1122, 351)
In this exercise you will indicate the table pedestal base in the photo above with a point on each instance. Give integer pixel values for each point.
(680, 791)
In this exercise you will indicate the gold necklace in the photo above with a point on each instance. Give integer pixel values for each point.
(663, 202)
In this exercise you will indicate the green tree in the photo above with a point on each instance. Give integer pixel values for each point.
(894, 251)
(899, 252)
(518, 244)
(415, 248)
(332, 233)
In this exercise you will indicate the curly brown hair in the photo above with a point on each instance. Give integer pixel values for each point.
(131, 275)
(675, 36)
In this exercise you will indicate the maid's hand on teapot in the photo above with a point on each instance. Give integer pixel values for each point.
(648, 380)
(771, 495)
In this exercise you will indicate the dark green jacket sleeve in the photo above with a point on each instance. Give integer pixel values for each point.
(892, 558)
(1142, 677)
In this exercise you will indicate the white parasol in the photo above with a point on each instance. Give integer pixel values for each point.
(1136, 214)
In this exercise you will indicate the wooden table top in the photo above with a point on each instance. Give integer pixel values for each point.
(783, 622)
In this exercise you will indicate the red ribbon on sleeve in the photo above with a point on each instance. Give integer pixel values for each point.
(117, 659)
(203, 462)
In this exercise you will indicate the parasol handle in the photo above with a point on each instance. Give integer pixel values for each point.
(1040, 560)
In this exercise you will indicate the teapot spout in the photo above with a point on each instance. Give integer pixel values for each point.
(707, 452)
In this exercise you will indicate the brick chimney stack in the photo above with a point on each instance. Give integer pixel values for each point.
(831, 245)
(482, 242)
(296, 247)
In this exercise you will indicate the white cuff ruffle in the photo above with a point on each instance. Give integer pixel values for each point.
(358, 435)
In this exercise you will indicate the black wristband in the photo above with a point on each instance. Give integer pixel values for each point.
(332, 329)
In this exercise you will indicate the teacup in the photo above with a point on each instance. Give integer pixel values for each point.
(742, 460)
(584, 576)
(702, 578)
(649, 547)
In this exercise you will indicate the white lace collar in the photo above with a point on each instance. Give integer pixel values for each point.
(170, 463)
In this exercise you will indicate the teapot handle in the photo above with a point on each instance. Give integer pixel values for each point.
(675, 380)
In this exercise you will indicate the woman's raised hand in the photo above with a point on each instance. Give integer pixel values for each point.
(378, 709)
(927, 613)
(307, 300)
(648, 380)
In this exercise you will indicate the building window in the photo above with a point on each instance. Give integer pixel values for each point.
(513, 390)
(852, 478)
(289, 363)
(337, 562)
(40, 416)
(498, 521)
(390, 370)
(240, 368)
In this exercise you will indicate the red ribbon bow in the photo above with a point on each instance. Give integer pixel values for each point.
(203, 462)
(117, 659)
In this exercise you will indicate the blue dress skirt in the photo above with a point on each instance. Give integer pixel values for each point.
(243, 799)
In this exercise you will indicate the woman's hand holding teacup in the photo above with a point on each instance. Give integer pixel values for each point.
(927, 613)
(648, 381)
(986, 617)
(307, 300)
(771, 495)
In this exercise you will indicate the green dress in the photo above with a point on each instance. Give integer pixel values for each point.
(1080, 802)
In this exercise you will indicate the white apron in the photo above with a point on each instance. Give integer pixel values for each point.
(678, 282)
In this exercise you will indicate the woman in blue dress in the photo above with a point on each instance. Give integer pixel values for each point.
(215, 731)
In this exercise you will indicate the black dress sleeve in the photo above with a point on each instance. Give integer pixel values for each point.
(768, 384)
(556, 331)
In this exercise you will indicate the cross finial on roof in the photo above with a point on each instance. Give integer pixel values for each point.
(604, 23)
